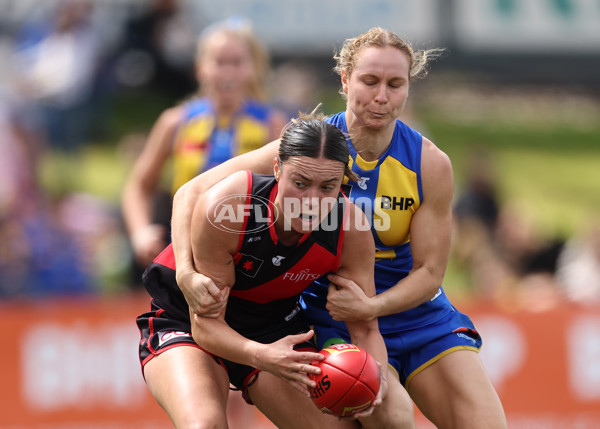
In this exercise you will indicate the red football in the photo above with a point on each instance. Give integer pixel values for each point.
(349, 380)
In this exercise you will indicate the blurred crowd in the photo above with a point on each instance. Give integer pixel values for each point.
(509, 259)
(64, 62)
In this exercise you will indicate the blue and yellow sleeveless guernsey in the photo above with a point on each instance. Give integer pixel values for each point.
(202, 143)
(389, 191)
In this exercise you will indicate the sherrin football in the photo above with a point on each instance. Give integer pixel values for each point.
(349, 380)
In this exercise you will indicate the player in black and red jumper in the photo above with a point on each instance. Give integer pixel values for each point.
(261, 240)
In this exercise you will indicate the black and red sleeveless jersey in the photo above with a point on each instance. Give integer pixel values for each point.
(269, 276)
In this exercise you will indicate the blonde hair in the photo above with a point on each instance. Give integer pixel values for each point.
(242, 29)
(379, 37)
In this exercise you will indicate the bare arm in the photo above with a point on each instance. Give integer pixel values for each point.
(192, 284)
(430, 237)
(148, 239)
(430, 233)
(213, 251)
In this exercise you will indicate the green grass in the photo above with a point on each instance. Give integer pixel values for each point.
(559, 190)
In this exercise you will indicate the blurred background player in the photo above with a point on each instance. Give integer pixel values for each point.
(228, 117)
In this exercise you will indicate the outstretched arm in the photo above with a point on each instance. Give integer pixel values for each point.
(202, 296)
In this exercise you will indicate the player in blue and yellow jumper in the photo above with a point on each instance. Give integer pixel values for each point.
(228, 117)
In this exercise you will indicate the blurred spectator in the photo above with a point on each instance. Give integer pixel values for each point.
(531, 257)
(578, 266)
(57, 63)
(97, 230)
(157, 50)
(476, 212)
(41, 252)
(37, 256)
(20, 144)
(506, 257)
(478, 200)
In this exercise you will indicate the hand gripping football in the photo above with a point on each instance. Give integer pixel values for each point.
(349, 380)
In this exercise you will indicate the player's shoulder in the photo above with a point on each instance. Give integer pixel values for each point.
(258, 109)
(434, 158)
(436, 173)
(171, 117)
(224, 205)
(238, 183)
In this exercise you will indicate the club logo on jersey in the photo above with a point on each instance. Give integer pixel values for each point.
(362, 183)
(277, 260)
(247, 264)
(229, 213)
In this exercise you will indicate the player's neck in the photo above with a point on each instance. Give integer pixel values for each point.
(369, 143)
(287, 238)
(226, 110)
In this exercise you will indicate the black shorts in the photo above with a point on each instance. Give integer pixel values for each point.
(161, 331)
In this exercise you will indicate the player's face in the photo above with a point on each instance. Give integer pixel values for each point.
(308, 187)
(226, 69)
(378, 87)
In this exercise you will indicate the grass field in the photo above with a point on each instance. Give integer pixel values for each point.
(545, 146)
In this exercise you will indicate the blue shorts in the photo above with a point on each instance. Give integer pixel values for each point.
(412, 350)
